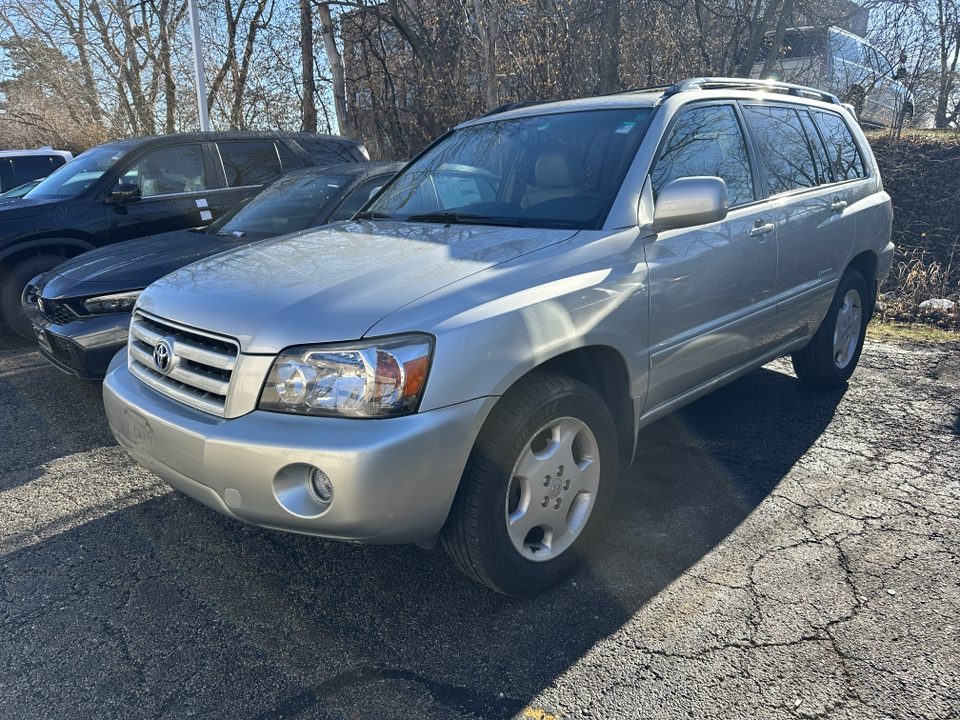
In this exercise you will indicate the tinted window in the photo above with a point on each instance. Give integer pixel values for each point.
(707, 141)
(249, 163)
(783, 148)
(289, 204)
(358, 197)
(32, 167)
(168, 171)
(824, 172)
(286, 159)
(795, 45)
(841, 148)
(326, 152)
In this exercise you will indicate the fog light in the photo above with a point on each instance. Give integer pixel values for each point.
(321, 485)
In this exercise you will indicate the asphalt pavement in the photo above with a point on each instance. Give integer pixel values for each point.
(774, 552)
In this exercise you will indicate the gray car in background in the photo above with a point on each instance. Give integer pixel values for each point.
(471, 358)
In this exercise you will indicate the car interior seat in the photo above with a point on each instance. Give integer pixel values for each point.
(557, 175)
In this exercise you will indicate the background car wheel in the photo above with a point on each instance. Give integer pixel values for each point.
(832, 355)
(537, 483)
(11, 288)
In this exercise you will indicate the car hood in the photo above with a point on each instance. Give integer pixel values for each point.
(132, 264)
(15, 208)
(331, 284)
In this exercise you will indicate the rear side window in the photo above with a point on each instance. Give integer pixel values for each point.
(707, 141)
(841, 147)
(783, 148)
(249, 163)
(328, 152)
(358, 197)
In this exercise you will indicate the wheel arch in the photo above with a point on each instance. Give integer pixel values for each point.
(605, 370)
(866, 263)
(65, 247)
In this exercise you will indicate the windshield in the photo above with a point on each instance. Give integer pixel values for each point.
(76, 176)
(287, 205)
(558, 170)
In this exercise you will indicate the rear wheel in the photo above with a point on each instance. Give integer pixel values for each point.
(12, 285)
(832, 355)
(535, 487)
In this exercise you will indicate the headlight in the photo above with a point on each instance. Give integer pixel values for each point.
(373, 378)
(103, 304)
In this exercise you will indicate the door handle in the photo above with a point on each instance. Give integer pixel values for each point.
(838, 205)
(761, 228)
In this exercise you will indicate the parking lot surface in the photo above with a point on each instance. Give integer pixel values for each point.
(774, 552)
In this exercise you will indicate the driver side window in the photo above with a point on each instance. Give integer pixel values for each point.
(707, 141)
(169, 171)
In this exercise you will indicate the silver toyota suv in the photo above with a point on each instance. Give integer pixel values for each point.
(471, 357)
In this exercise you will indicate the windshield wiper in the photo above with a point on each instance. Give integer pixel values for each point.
(470, 219)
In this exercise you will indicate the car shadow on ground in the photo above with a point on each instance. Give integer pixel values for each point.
(176, 593)
(35, 425)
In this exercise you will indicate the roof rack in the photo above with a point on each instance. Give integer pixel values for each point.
(711, 83)
(512, 106)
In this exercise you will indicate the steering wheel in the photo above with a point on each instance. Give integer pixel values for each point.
(597, 195)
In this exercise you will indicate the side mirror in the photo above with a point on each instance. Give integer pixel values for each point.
(123, 194)
(691, 201)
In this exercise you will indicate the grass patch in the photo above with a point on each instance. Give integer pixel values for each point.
(893, 331)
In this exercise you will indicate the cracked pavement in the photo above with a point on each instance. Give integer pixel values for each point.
(774, 552)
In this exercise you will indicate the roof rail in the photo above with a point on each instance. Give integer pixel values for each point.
(512, 106)
(705, 83)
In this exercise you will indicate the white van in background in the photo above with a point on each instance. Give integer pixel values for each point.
(22, 166)
(847, 66)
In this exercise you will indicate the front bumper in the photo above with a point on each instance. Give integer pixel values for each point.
(393, 479)
(83, 347)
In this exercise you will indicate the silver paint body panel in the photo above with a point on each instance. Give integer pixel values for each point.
(686, 310)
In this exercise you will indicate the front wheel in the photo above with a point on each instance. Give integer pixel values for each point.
(12, 285)
(832, 355)
(537, 483)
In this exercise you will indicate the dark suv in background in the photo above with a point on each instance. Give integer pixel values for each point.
(142, 186)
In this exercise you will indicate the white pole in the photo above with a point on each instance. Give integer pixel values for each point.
(198, 67)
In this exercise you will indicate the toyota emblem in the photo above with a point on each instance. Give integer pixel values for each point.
(163, 357)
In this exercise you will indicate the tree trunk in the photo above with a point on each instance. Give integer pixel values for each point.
(309, 106)
(756, 38)
(336, 69)
(610, 48)
(777, 39)
(489, 21)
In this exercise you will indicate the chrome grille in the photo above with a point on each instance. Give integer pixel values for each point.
(203, 362)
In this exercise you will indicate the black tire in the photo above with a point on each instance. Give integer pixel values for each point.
(832, 355)
(12, 284)
(563, 432)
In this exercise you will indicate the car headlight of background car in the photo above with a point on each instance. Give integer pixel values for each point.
(118, 302)
(375, 378)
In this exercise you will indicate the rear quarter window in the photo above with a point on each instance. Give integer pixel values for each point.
(249, 162)
(328, 152)
(842, 149)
